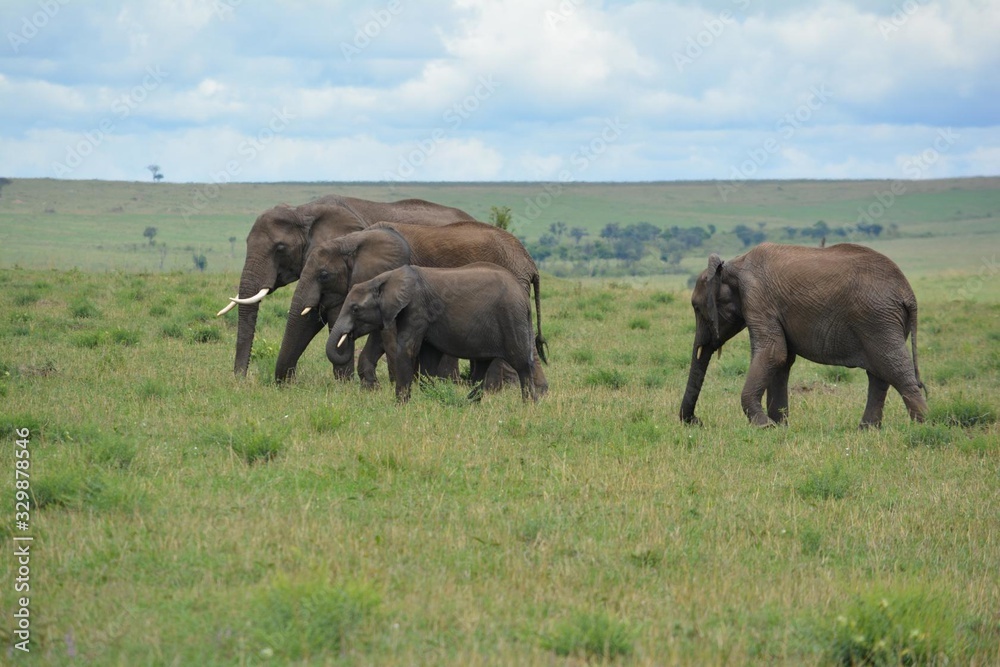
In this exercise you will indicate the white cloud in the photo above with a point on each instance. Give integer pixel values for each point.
(507, 89)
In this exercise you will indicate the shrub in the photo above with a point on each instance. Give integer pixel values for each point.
(88, 339)
(836, 374)
(962, 412)
(929, 435)
(125, 337)
(638, 323)
(206, 334)
(83, 309)
(613, 379)
(591, 635)
(908, 628)
(831, 482)
(299, 620)
(326, 420)
(443, 391)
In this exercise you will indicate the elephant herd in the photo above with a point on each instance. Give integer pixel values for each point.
(430, 285)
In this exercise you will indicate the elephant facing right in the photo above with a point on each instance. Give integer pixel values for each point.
(845, 305)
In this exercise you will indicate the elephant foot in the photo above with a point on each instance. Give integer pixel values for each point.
(369, 384)
(763, 421)
(865, 426)
(692, 421)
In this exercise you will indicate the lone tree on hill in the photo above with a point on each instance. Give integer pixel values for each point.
(149, 234)
(154, 169)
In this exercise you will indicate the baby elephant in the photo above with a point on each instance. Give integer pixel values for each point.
(479, 312)
(845, 305)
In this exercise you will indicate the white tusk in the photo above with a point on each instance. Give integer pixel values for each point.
(232, 304)
(256, 298)
(341, 341)
(699, 351)
(305, 311)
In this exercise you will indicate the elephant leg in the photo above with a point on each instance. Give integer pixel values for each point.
(368, 359)
(407, 351)
(524, 377)
(429, 362)
(877, 389)
(896, 367)
(766, 359)
(477, 375)
(777, 393)
(538, 377)
(447, 368)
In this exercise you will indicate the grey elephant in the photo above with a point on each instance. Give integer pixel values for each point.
(479, 311)
(336, 265)
(844, 305)
(278, 244)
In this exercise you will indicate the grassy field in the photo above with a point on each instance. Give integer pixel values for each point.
(183, 516)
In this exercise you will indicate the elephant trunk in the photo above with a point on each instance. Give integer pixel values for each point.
(340, 345)
(701, 354)
(299, 332)
(251, 282)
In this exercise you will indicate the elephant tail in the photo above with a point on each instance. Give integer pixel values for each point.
(911, 326)
(540, 342)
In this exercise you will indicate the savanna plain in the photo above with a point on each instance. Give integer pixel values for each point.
(184, 516)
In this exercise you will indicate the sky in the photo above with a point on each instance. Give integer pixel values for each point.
(216, 91)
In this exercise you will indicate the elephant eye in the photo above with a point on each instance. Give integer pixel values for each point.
(324, 276)
(354, 308)
(281, 247)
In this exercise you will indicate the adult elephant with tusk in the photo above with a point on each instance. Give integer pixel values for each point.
(278, 244)
(333, 267)
(844, 305)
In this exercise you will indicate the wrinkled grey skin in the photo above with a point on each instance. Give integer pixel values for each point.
(479, 312)
(334, 266)
(844, 305)
(277, 247)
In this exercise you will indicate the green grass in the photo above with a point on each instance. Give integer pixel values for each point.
(182, 515)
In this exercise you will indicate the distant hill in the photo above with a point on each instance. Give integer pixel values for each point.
(927, 226)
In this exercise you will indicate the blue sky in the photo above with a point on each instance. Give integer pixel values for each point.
(527, 90)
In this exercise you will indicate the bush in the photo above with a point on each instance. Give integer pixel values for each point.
(591, 635)
(831, 482)
(83, 309)
(962, 412)
(612, 379)
(909, 628)
(296, 621)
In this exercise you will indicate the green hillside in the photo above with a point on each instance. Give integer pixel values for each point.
(98, 225)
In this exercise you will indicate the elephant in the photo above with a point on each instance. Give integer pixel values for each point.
(334, 266)
(479, 311)
(278, 243)
(844, 305)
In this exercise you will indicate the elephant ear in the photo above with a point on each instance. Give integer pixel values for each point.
(714, 284)
(393, 294)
